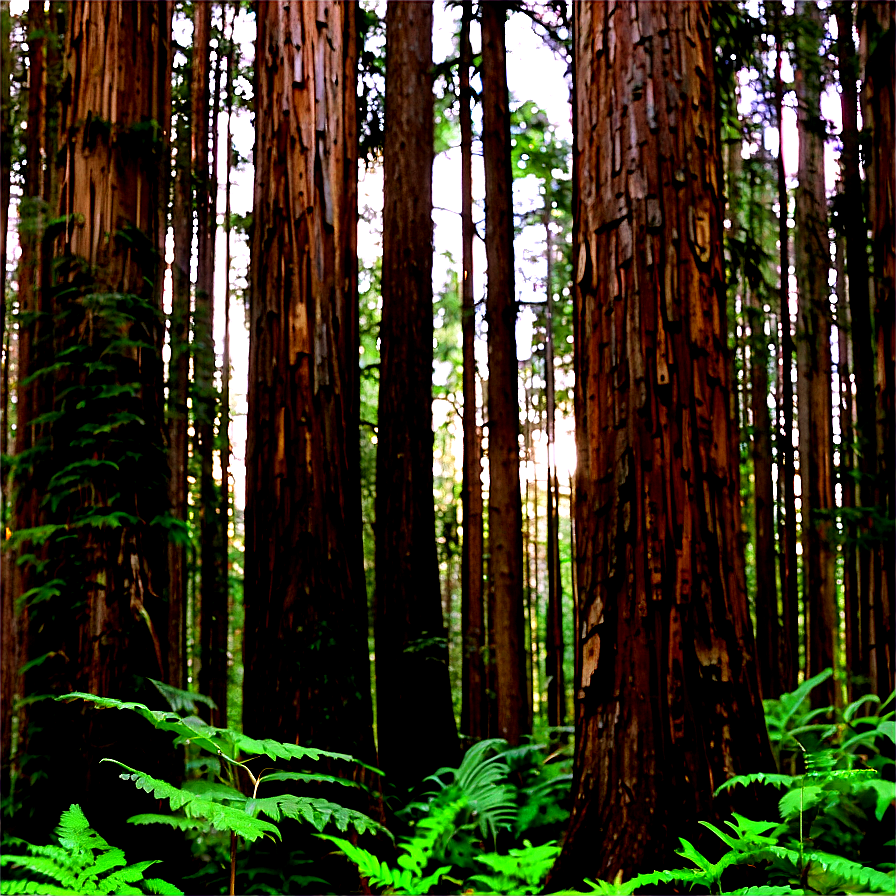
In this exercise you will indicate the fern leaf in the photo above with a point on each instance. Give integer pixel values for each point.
(43, 865)
(308, 778)
(853, 875)
(758, 778)
(161, 887)
(764, 890)
(16, 887)
(174, 821)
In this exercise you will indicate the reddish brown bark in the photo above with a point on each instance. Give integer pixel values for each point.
(504, 503)
(787, 535)
(813, 346)
(411, 650)
(305, 648)
(474, 713)
(876, 23)
(667, 700)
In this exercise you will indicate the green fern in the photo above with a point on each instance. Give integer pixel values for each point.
(416, 853)
(520, 871)
(83, 863)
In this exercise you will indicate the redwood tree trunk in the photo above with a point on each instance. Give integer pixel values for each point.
(103, 618)
(474, 713)
(411, 648)
(790, 654)
(878, 34)
(307, 676)
(854, 228)
(667, 704)
(812, 261)
(504, 504)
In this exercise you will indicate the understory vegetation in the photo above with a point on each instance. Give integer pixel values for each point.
(493, 825)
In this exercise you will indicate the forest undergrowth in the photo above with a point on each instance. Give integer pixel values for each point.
(495, 824)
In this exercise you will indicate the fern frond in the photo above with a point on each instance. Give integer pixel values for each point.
(174, 821)
(161, 887)
(319, 813)
(377, 873)
(764, 890)
(853, 875)
(29, 887)
(49, 867)
(758, 778)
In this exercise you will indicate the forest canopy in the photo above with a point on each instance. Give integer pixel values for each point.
(447, 446)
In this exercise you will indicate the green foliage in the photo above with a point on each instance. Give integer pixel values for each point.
(217, 804)
(83, 863)
(520, 871)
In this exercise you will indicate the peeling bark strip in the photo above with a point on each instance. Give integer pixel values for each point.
(667, 701)
(307, 677)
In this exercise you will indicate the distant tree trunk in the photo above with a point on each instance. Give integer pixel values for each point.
(766, 600)
(554, 617)
(212, 678)
(305, 649)
(790, 640)
(667, 701)
(101, 626)
(812, 260)
(856, 682)
(411, 650)
(474, 714)
(876, 22)
(224, 621)
(505, 511)
(5, 177)
(26, 504)
(855, 230)
(178, 393)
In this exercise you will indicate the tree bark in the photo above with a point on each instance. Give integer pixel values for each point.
(812, 261)
(505, 509)
(474, 714)
(876, 24)
(98, 626)
(554, 622)
(790, 653)
(178, 393)
(305, 649)
(411, 648)
(667, 702)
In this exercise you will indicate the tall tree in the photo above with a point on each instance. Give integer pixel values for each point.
(790, 629)
(474, 713)
(854, 228)
(766, 596)
(307, 674)
(411, 650)
(813, 346)
(554, 622)
(213, 587)
(179, 379)
(878, 33)
(667, 701)
(504, 502)
(98, 617)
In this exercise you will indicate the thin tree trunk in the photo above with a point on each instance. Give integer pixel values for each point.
(667, 701)
(766, 599)
(853, 653)
(554, 616)
(178, 392)
(505, 513)
(411, 652)
(812, 254)
(855, 231)
(474, 714)
(5, 177)
(787, 534)
(304, 580)
(876, 24)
